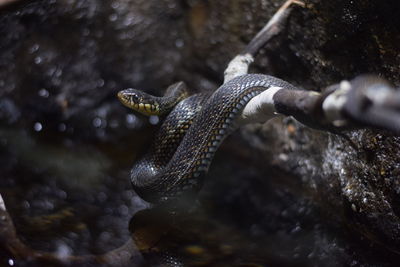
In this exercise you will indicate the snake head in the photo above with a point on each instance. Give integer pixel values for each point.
(139, 101)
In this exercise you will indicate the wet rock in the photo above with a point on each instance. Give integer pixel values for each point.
(356, 181)
(61, 59)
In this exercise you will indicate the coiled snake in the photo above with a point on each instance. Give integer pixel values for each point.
(191, 133)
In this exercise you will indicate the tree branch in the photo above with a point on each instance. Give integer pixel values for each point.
(366, 101)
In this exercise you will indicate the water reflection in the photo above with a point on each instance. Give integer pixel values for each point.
(192, 238)
(71, 199)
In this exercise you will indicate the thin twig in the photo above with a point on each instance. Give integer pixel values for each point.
(239, 65)
(272, 28)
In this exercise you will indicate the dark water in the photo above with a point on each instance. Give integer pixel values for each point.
(73, 198)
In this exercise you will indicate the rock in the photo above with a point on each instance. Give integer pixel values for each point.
(330, 42)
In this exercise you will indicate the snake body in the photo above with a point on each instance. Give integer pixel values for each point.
(183, 148)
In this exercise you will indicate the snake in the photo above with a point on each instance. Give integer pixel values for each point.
(193, 127)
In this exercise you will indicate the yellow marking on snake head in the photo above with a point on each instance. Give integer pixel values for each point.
(147, 109)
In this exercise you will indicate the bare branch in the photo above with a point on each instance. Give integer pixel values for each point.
(240, 64)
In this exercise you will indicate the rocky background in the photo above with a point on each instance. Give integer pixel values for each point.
(292, 196)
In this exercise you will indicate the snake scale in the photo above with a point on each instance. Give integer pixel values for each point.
(190, 134)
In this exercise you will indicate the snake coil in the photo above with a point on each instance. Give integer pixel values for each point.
(186, 142)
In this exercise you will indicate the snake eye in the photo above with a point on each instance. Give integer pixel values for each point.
(134, 98)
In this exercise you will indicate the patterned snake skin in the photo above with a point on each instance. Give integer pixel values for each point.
(183, 148)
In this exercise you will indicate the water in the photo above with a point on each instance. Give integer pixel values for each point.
(74, 198)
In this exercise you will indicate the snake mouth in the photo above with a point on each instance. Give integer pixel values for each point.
(146, 109)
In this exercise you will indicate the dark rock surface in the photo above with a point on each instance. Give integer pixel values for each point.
(308, 197)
